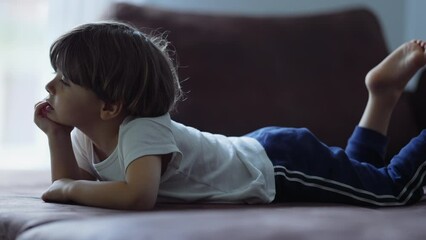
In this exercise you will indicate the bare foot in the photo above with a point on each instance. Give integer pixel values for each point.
(388, 79)
(386, 82)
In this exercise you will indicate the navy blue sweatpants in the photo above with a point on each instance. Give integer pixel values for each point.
(308, 170)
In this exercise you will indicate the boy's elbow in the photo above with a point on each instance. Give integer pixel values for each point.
(142, 204)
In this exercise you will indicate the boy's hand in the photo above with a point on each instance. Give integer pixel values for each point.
(57, 192)
(44, 123)
(62, 158)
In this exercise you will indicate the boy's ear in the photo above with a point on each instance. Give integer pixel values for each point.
(110, 110)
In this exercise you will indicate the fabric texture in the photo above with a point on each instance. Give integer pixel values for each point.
(205, 167)
(308, 170)
(23, 215)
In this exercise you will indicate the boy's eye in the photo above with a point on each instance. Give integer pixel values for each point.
(64, 81)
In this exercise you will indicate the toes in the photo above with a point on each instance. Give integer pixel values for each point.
(420, 43)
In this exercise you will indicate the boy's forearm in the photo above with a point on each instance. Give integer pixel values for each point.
(114, 195)
(62, 159)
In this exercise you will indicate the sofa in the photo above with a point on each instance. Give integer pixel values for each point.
(240, 73)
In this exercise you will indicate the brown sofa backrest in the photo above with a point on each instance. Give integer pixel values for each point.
(242, 73)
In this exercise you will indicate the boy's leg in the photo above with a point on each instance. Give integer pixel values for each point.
(366, 145)
(385, 84)
(307, 170)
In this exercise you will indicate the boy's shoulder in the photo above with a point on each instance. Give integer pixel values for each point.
(147, 128)
(131, 121)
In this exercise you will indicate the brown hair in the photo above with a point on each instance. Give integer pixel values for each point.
(119, 63)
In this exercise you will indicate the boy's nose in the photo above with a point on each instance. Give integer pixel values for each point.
(50, 87)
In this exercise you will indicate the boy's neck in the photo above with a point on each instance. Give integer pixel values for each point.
(104, 136)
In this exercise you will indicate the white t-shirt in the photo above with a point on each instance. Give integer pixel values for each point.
(204, 167)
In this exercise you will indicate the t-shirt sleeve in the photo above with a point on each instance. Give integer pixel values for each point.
(80, 148)
(143, 137)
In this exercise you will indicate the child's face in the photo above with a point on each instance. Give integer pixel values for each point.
(71, 104)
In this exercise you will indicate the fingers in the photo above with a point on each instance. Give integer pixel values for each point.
(39, 109)
(40, 104)
(45, 122)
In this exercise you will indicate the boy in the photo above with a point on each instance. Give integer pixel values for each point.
(115, 87)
